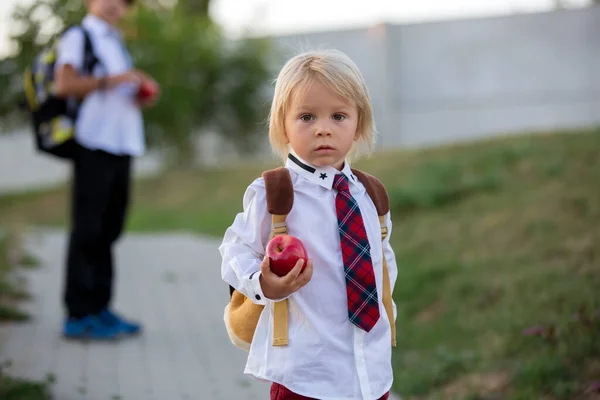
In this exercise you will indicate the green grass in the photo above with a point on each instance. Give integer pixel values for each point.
(491, 238)
(19, 389)
(12, 290)
(11, 293)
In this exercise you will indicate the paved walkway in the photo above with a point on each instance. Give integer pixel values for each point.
(171, 283)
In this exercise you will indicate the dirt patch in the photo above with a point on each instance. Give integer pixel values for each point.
(483, 384)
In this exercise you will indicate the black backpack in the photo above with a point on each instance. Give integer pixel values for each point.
(53, 117)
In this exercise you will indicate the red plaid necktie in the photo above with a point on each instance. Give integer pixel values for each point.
(363, 306)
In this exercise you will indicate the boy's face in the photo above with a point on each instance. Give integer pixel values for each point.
(321, 127)
(109, 10)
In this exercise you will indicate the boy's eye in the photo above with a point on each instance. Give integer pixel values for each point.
(339, 117)
(306, 117)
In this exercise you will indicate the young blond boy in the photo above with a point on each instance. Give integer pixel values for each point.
(339, 334)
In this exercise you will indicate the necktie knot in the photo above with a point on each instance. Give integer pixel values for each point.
(340, 183)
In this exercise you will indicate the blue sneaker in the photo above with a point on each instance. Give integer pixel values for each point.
(89, 328)
(121, 325)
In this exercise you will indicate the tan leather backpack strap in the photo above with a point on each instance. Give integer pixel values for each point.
(387, 286)
(280, 308)
(378, 194)
(280, 198)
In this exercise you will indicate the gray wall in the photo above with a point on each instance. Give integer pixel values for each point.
(23, 168)
(458, 80)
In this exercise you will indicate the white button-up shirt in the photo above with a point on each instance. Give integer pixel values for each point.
(327, 357)
(108, 120)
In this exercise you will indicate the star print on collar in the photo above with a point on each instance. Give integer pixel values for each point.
(322, 176)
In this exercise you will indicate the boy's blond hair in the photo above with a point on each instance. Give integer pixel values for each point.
(336, 71)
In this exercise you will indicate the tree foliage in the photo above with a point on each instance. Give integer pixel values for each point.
(208, 83)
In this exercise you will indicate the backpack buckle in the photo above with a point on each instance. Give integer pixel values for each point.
(279, 228)
(384, 231)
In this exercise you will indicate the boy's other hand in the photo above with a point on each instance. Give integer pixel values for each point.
(278, 287)
(145, 76)
(131, 76)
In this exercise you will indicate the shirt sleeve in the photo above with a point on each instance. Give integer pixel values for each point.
(244, 243)
(390, 258)
(70, 49)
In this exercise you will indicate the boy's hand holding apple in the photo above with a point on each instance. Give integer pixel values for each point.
(147, 93)
(286, 267)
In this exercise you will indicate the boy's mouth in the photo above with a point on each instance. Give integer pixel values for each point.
(324, 147)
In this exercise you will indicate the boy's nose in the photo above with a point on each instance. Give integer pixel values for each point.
(323, 130)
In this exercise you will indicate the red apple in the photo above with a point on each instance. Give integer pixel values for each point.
(147, 90)
(284, 251)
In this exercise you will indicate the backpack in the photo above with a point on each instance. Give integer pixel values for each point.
(54, 118)
(241, 314)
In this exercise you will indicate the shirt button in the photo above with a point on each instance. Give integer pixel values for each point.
(257, 297)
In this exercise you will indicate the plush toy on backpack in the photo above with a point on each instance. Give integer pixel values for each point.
(53, 117)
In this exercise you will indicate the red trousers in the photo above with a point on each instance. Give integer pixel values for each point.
(279, 392)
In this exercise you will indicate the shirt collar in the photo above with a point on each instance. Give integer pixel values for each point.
(322, 176)
(99, 26)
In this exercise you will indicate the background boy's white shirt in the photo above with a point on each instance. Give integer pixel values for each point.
(356, 365)
(108, 120)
